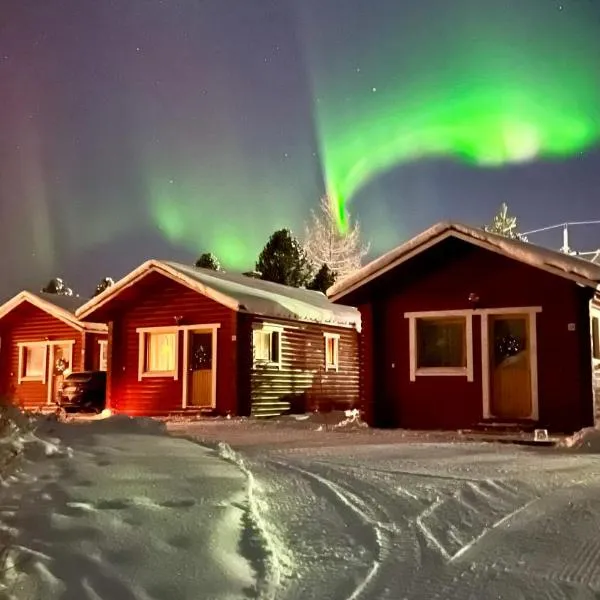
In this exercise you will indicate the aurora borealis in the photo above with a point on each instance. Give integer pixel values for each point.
(132, 129)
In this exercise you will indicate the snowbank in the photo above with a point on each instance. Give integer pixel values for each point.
(99, 511)
(325, 421)
(585, 441)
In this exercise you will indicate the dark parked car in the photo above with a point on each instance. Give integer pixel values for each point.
(84, 391)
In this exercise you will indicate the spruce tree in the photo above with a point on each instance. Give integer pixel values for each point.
(104, 284)
(208, 261)
(283, 260)
(505, 225)
(56, 286)
(323, 280)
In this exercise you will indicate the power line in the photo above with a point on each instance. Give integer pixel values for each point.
(566, 248)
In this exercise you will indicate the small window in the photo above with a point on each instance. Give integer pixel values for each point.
(441, 343)
(34, 362)
(596, 338)
(266, 345)
(103, 358)
(332, 351)
(161, 352)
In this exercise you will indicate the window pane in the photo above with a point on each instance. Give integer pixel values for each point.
(103, 357)
(331, 347)
(160, 349)
(262, 343)
(596, 337)
(441, 343)
(275, 343)
(34, 361)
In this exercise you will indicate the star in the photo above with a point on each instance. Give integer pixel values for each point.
(357, 69)
(374, 90)
(285, 155)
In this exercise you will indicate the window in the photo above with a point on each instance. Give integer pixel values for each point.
(159, 353)
(266, 344)
(103, 357)
(332, 351)
(596, 338)
(33, 362)
(441, 343)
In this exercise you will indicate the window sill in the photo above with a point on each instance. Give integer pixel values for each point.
(38, 378)
(157, 374)
(442, 372)
(265, 363)
(332, 368)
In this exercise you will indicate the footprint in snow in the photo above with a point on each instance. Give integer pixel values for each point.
(180, 541)
(115, 504)
(178, 503)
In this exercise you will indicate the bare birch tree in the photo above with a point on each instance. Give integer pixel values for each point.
(325, 245)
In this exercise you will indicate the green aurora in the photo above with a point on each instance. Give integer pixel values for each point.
(505, 95)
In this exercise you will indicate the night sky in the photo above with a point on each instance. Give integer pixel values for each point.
(135, 129)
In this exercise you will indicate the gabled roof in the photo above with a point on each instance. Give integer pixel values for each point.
(570, 267)
(238, 292)
(60, 307)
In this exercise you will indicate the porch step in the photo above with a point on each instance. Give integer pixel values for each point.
(507, 427)
(269, 409)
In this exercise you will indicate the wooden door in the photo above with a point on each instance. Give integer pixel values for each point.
(201, 370)
(59, 360)
(510, 367)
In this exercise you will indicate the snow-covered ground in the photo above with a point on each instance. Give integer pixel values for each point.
(117, 510)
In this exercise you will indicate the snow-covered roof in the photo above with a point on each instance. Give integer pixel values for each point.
(239, 292)
(61, 307)
(564, 265)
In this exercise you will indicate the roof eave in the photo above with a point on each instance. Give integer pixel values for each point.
(142, 271)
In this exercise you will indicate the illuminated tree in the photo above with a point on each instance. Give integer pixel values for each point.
(283, 260)
(323, 280)
(104, 284)
(56, 286)
(325, 245)
(208, 261)
(505, 225)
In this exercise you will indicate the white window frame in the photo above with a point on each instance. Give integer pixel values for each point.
(531, 312)
(103, 356)
(466, 371)
(43, 377)
(334, 365)
(269, 329)
(143, 333)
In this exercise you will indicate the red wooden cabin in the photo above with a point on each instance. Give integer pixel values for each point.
(463, 329)
(36, 331)
(188, 339)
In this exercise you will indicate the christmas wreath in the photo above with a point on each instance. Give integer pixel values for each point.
(61, 365)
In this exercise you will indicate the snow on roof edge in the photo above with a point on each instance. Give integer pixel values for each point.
(207, 282)
(568, 266)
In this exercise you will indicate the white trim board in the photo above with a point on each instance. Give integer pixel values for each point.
(512, 249)
(185, 360)
(188, 331)
(531, 311)
(414, 371)
(142, 271)
(533, 359)
(51, 309)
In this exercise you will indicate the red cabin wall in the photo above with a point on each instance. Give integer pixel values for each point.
(27, 323)
(442, 279)
(155, 301)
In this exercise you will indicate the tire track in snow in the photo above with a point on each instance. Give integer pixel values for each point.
(379, 531)
(272, 565)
